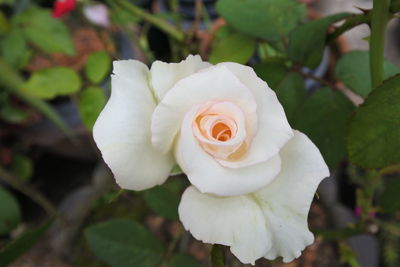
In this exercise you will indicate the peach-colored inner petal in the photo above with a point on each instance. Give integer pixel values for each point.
(221, 132)
(220, 129)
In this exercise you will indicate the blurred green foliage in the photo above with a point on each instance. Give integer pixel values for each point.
(97, 66)
(19, 246)
(182, 260)
(307, 42)
(10, 213)
(22, 166)
(124, 243)
(277, 17)
(327, 127)
(91, 102)
(353, 70)
(51, 82)
(45, 32)
(233, 46)
(377, 146)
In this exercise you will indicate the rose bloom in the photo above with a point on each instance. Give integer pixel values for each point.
(253, 177)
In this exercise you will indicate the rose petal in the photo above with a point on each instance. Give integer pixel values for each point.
(232, 221)
(122, 131)
(224, 110)
(165, 75)
(286, 201)
(212, 84)
(273, 128)
(209, 176)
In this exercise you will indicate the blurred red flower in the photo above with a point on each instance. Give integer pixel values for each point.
(62, 7)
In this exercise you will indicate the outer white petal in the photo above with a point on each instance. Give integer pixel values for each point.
(122, 131)
(237, 222)
(286, 201)
(165, 75)
(214, 83)
(209, 176)
(273, 128)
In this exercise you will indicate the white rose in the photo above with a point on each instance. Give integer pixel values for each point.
(253, 177)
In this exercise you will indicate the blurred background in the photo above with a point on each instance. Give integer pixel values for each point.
(59, 204)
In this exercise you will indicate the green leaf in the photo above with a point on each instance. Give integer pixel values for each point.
(323, 118)
(268, 19)
(271, 72)
(52, 82)
(233, 47)
(124, 243)
(97, 66)
(22, 167)
(182, 260)
(374, 131)
(91, 102)
(14, 49)
(307, 42)
(9, 2)
(288, 86)
(347, 255)
(49, 34)
(11, 81)
(162, 201)
(10, 214)
(4, 24)
(353, 69)
(12, 114)
(124, 17)
(389, 199)
(291, 92)
(176, 185)
(18, 247)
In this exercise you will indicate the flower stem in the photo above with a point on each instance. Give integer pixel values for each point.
(27, 190)
(379, 19)
(358, 19)
(390, 169)
(152, 19)
(351, 22)
(217, 256)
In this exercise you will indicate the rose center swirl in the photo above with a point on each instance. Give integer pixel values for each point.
(221, 132)
(216, 127)
(220, 129)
